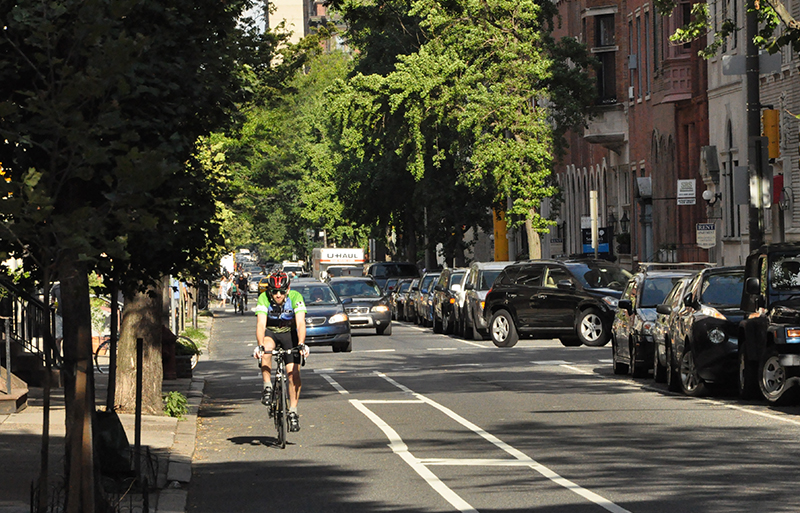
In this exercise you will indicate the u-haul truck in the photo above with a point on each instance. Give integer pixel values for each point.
(322, 258)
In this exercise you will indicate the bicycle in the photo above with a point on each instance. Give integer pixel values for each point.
(238, 302)
(104, 348)
(278, 406)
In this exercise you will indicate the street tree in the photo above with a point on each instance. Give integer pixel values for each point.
(101, 106)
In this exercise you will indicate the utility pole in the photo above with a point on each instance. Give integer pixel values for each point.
(756, 210)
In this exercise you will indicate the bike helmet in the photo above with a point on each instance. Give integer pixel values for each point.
(277, 281)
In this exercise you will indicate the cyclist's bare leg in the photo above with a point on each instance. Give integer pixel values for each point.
(266, 360)
(293, 370)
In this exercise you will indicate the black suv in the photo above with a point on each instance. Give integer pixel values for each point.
(444, 299)
(573, 300)
(769, 335)
(383, 271)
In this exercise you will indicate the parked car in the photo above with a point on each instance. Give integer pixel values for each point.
(326, 321)
(769, 347)
(666, 312)
(409, 309)
(572, 300)
(702, 342)
(365, 304)
(382, 271)
(477, 282)
(421, 297)
(632, 341)
(444, 298)
(252, 282)
(389, 286)
(398, 298)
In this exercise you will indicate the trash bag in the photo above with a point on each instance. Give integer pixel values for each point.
(112, 449)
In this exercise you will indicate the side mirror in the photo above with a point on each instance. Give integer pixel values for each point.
(688, 299)
(469, 286)
(663, 309)
(625, 304)
(438, 287)
(347, 300)
(565, 285)
(752, 286)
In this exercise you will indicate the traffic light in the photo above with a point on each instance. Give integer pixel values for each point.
(771, 130)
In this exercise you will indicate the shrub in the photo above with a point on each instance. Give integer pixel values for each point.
(175, 404)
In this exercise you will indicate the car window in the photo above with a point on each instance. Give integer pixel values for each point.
(486, 279)
(316, 294)
(555, 275)
(674, 295)
(456, 278)
(723, 290)
(404, 286)
(656, 289)
(426, 281)
(598, 276)
(357, 289)
(530, 276)
(785, 272)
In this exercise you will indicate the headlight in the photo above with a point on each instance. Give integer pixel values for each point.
(716, 336)
(380, 308)
(611, 301)
(792, 335)
(711, 312)
(339, 317)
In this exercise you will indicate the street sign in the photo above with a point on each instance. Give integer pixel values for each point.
(687, 192)
(604, 240)
(706, 235)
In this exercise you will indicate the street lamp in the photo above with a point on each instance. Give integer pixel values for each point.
(624, 222)
(611, 219)
(785, 199)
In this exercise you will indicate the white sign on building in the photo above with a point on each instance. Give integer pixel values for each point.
(687, 192)
(706, 235)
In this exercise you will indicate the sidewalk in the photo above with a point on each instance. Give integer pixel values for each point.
(171, 440)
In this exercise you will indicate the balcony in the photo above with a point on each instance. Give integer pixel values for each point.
(677, 79)
(608, 127)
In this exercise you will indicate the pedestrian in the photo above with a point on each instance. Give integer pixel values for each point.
(224, 285)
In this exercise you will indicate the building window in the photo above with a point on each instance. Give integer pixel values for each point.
(605, 51)
(632, 64)
(655, 41)
(604, 30)
(646, 54)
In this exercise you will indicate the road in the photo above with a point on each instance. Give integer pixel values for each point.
(419, 422)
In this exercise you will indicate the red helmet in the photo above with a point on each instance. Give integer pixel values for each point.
(277, 281)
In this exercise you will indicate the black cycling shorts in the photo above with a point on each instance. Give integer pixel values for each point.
(286, 340)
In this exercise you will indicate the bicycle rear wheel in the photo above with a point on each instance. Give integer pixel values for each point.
(281, 410)
(102, 350)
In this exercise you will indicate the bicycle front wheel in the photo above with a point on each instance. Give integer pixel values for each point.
(102, 350)
(282, 411)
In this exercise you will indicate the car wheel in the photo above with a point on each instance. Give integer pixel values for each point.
(592, 331)
(748, 376)
(772, 380)
(619, 367)
(659, 371)
(691, 383)
(343, 347)
(447, 323)
(502, 329)
(437, 324)
(673, 376)
(570, 341)
(468, 331)
(637, 370)
(385, 330)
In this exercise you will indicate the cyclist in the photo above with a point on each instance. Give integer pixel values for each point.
(241, 285)
(281, 315)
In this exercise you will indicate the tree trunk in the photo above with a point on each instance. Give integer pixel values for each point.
(534, 241)
(78, 383)
(141, 318)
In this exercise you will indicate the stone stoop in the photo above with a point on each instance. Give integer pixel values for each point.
(17, 399)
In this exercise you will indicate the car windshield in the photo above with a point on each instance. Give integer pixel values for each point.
(426, 282)
(722, 290)
(456, 278)
(316, 295)
(404, 286)
(486, 279)
(656, 289)
(786, 272)
(600, 276)
(357, 289)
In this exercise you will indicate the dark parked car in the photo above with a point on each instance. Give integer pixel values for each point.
(365, 304)
(702, 342)
(477, 282)
(573, 300)
(382, 271)
(665, 315)
(421, 297)
(409, 309)
(632, 341)
(398, 298)
(444, 298)
(769, 348)
(326, 321)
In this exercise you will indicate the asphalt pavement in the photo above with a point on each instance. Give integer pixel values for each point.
(170, 442)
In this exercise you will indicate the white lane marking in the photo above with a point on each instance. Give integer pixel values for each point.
(339, 388)
(519, 455)
(482, 346)
(577, 369)
(391, 401)
(250, 377)
(377, 351)
(401, 449)
(441, 348)
(550, 362)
